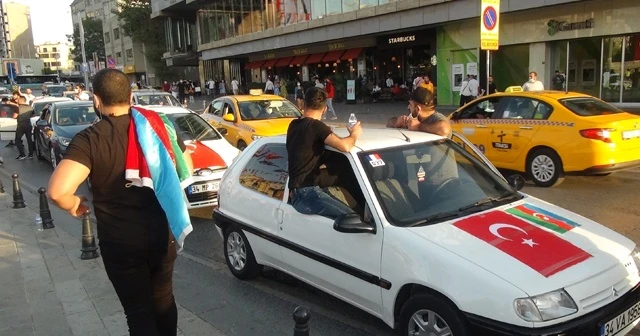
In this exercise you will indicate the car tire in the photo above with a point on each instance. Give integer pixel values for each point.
(239, 255)
(434, 314)
(602, 174)
(242, 145)
(38, 151)
(52, 156)
(544, 167)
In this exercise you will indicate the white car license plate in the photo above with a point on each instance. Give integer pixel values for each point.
(630, 134)
(621, 321)
(200, 188)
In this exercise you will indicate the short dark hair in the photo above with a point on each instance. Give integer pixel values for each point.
(112, 87)
(422, 95)
(315, 98)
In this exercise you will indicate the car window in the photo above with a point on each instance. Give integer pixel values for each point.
(517, 108)
(480, 110)
(216, 108)
(543, 111)
(80, 115)
(191, 127)
(267, 171)
(6, 111)
(416, 182)
(157, 100)
(588, 106)
(267, 109)
(227, 109)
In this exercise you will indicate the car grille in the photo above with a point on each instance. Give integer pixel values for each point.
(200, 197)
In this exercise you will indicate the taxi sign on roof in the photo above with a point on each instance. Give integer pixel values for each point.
(255, 92)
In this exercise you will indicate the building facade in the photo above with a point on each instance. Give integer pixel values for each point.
(17, 33)
(56, 57)
(595, 44)
(121, 52)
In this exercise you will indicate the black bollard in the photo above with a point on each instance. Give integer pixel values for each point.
(89, 248)
(18, 199)
(1, 187)
(45, 213)
(301, 316)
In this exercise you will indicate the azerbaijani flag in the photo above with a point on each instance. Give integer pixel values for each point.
(543, 217)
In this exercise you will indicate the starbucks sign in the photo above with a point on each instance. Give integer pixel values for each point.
(556, 26)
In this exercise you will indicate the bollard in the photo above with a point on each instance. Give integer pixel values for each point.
(301, 316)
(89, 248)
(45, 213)
(1, 187)
(18, 199)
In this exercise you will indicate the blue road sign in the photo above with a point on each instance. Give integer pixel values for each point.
(490, 18)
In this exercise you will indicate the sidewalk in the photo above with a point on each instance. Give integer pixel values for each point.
(48, 290)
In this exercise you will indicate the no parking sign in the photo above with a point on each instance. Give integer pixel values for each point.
(490, 25)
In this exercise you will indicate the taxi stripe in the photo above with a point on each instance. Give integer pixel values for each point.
(514, 122)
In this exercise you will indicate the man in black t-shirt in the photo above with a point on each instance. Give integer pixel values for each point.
(137, 246)
(23, 128)
(306, 138)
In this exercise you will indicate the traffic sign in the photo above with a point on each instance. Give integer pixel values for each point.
(490, 25)
(111, 62)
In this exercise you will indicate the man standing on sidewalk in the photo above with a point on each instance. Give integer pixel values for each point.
(138, 248)
(23, 128)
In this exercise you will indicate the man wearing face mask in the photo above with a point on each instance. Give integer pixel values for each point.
(138, 247)
(533, 84)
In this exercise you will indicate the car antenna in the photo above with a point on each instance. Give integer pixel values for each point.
(406, 138)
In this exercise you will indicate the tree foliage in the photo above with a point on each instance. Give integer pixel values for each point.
(93, 39)
(135, 17)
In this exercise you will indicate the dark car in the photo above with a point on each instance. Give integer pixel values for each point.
(58, 125)
(55, 90)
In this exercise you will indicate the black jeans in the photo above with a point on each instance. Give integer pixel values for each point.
(143, 280)
(22, 130)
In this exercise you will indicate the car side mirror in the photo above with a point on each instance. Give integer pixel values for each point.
(229, 117)
(222, 131)
(352, 223)
(516, 181)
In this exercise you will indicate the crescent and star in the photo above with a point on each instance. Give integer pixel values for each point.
(495, 228)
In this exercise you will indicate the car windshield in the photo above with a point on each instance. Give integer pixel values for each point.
(166, 100)
(431, 182)
(56, 89)
(589, 107)
(267, 109)
(76, 115)
(191, 127)
(38, 107)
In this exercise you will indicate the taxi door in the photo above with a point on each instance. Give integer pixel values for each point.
(514, 127)
(473, 122)
(234, 128)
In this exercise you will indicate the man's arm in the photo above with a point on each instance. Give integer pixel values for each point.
(344, 144)
(64, 183)
(442, 128)
(392, 122)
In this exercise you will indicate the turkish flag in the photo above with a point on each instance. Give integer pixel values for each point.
(204, 157)
(543, 251)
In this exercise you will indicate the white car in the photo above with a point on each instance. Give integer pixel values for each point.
(8, 124)
(211, 154)
(439, 244)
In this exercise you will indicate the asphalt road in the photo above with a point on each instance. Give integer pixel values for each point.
(206, 286)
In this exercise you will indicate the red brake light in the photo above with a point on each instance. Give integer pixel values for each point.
(602, 134)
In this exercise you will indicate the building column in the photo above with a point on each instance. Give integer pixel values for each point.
(537, 57)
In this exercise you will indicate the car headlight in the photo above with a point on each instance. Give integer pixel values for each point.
(64, 141)
(545, 307)
(256, 137)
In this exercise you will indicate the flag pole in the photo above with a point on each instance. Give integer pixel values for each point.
(84, 55)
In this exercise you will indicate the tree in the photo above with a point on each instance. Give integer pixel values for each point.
(93, 39)
(136, 22)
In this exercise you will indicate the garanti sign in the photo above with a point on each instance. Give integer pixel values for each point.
(556, 26)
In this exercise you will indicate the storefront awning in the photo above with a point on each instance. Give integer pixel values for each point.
(315, 58)
(351, 54)
(332, 56)
(270, 63)
(254, 65)
(299, 60)
(284, 62)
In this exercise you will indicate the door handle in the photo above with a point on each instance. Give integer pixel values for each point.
(526, 127)
(481, 126)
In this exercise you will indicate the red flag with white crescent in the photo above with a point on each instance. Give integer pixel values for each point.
(204, 157)
(543, 251)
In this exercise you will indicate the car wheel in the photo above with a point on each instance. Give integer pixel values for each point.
(38, 151)
(427, 314)
(239, 255)
(52, 156)
(602, 174)
(545, 168)
(242, 145)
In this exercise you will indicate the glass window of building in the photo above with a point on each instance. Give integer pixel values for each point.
(119, 56)
(129, 53)
(333, 7)
(350, 5)
(631, 84)
(318, 9)
(107, 37)
(584, 66)
(611, 69)
(116, 33)
(369, 3)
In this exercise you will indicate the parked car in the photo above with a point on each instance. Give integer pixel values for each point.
(39, 103)
(210, 152)
(439, 242)
(58, 125)
(550, 134)
(154, 98)
(55, 90)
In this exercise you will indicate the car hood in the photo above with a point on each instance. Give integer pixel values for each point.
(525, 243)
(69, 131)
(269, 127)
(212, 154)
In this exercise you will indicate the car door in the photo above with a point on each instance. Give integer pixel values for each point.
(344, 264)
(213, 113)
(7, 123)
(473, 121)
(514, 127)
(234, 128)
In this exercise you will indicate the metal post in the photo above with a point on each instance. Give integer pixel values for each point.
(566, 87)
(301, 316)
(18, 199)
(89, 248)
(45, 213)
(488, 70)
(84, 54)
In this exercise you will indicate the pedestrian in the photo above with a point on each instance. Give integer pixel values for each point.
(269, 87)
(212, 88)
(223, 88)
(29, 95)
(426, 83)
(182, 91)
(422, 115)
(137, 224)
(81, 94)
(7, 110)
(331, 91)
(492, 86)
(558, 81)
(24, 128)
(235, 86)
(306, 139)
(284, 93)
(300, 96)
(465, 91)
(533, 84)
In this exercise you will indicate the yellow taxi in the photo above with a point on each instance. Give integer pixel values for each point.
(550, 134)
(250, 117)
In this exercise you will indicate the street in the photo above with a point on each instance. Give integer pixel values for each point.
(204, 285)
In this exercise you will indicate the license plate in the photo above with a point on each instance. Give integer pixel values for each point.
(630, 134)
(200, 188)
(621, 321)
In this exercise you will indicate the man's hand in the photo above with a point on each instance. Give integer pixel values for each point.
(413, 125)
(79, 206)
(356, 130)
